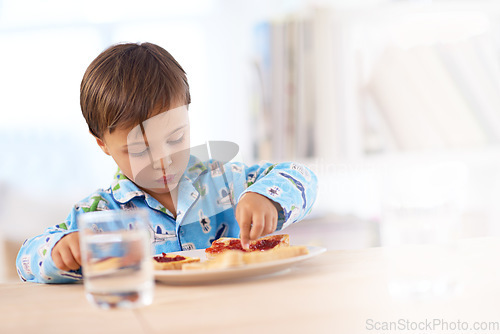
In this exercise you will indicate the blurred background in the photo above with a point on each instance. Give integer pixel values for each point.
(354, 89)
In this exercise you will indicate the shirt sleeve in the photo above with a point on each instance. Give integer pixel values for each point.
(291, 185)
(34, 261)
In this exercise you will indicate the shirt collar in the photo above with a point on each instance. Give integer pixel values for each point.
(123, 190)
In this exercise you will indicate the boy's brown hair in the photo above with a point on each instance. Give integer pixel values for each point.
(127, 84)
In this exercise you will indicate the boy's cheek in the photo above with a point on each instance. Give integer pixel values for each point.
(139, 166)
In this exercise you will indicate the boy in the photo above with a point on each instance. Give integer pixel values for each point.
(134, 98)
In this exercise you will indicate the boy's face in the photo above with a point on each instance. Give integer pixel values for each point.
(155, 153)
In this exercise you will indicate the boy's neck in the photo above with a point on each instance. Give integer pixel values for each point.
(168, 200)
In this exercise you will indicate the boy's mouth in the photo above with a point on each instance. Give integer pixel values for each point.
(166, 179)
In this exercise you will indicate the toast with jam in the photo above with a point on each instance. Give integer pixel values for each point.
(266, 243)
(237, 258)
(172, 261)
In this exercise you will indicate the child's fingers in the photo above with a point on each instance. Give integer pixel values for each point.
(270, 225)
(258, 223)
(69, 259)
(244, 219)
(75, 250)
(58, 261)
(66, 252)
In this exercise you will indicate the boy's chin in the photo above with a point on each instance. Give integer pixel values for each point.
(164, 190)
(159, 190)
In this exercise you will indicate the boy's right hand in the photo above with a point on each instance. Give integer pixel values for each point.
(66, 252)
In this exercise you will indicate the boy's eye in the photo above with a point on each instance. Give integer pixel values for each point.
(138, 153)
(176, 139)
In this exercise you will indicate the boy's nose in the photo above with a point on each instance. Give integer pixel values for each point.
(162, 163)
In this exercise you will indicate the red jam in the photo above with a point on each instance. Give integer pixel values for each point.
(265, 244)
(164, 258)
(219, 246)
(235, 244)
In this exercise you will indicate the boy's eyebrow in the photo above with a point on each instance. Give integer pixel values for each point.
(142, 142)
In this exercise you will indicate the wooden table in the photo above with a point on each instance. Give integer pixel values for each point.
(336, 292)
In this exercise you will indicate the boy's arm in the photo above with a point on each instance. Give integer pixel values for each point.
(291, 187)
(34, 261)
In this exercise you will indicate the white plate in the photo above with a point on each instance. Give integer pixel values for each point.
(217, 275)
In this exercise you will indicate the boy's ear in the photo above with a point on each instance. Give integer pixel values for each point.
(102, 145)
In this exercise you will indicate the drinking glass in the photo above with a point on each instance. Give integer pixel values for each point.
(116, 258)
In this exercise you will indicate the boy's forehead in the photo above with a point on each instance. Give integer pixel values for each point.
(163, 122)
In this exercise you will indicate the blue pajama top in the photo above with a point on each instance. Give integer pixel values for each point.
(205, 210)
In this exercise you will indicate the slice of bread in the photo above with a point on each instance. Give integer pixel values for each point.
(171, 261)
(228, 259)
(105, 264)
(274, 254)
(237, 258)
(223, 245)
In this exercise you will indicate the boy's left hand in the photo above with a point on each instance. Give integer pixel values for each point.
(257, 216)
